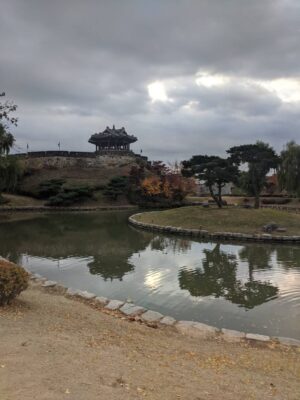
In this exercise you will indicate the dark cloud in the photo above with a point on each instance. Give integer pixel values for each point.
(75, 66)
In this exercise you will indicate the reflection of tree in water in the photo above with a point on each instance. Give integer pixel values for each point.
(105, 236)
(171, 244)
(252, 293)
(217, 278)
(110, 266)
(257, 257)
(288, 256)
(119, 255)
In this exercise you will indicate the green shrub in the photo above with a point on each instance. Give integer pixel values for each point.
(70, 195)
(99, 187)
(116, 187)
(50, 188)
(13, 280)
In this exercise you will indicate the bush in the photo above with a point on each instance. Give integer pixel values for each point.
(276, 201)
(99, 187)
(69, 196)
(50, 188)
(13, 280)
(3, 200)
(116, 187)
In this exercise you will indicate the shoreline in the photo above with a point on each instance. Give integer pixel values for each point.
(135, 312)
(205, 234)
(5, 209)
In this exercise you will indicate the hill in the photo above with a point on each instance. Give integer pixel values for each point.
(75, 168)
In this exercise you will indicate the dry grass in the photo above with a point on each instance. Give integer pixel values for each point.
(56, 348)
(21, 201)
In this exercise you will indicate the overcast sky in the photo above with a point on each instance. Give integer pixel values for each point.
(185, 76)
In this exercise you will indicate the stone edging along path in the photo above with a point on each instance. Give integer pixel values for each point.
(201, 233)
(156, 319)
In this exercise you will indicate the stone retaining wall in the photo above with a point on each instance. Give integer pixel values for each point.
(64, 153)
(201, 233)
(154, 318)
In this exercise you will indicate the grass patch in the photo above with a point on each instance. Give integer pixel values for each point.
(223, 220)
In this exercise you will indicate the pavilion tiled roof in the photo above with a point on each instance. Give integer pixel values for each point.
(112, 134)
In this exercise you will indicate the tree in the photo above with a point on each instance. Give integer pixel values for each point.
(116, 187)
(171, 188)
(6, 120)
(9, 169)
(159, 168)
(158, 184)
(289, 169)
(260, 159)
(214, 171)
(178, 186)
(10, 173)
(152, 186)
(6, 140)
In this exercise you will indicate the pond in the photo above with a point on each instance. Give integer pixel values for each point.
(248, 287)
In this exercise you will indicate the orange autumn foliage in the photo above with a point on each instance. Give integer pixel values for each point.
(171, 186)
(152, 186)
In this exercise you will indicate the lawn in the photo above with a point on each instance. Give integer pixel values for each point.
(231, 219)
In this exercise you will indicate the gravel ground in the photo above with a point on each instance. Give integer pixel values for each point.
(53, 348)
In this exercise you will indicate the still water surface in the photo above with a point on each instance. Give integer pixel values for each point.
(249, 287)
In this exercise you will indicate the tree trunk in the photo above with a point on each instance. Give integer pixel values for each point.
(220, 194)
(256, 203)
(216, 199)
(256, 189)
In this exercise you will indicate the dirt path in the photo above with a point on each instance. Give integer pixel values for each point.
(55, 348)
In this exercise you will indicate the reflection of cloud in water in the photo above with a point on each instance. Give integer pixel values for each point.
(153, 279)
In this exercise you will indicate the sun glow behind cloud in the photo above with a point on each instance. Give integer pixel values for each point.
(157, 91)
(288, 90)
(209, 80)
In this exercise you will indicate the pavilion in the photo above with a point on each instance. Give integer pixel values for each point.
(112, 139)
